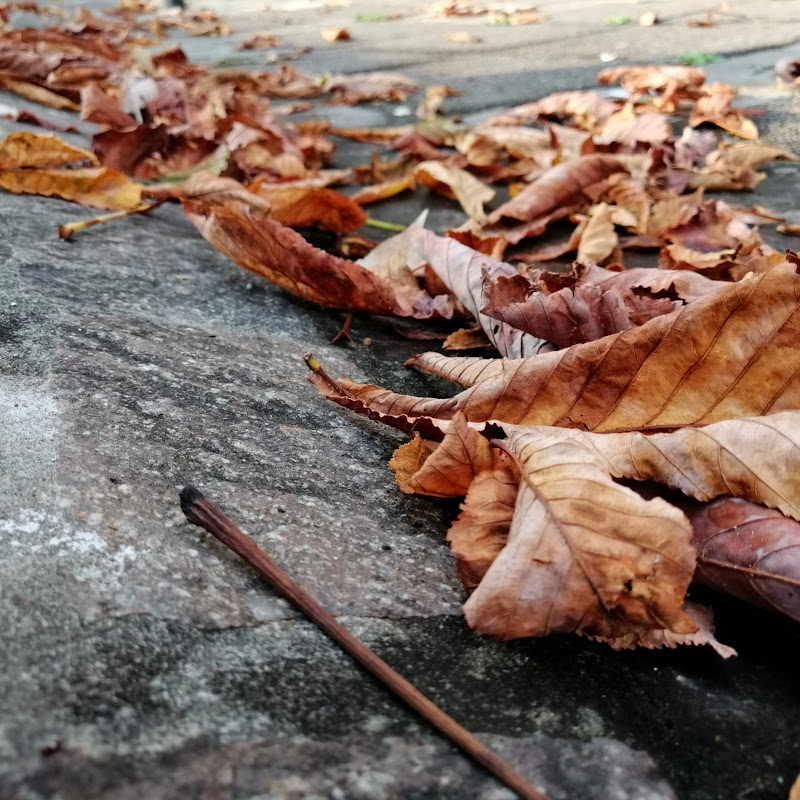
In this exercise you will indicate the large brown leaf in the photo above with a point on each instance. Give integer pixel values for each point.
(750, 552)
(583, 553)
(284, 257)
(733, 353)
(554, 195)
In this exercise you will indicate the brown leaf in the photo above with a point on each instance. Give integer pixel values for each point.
(463, 37)
(209, 188)
(307, 206)
(463, 271)
(149, 151)
(282, 256)
(32, 163)
(358, 87)
(25, 149)
(467, 339)
(732, 353)
(656, 639)
(583, 553)
(714, 106)
(335, 35)
(433, 99)
(258, 41)
(447, 469)
(471, 193)
(99, 107)
(792, 229)
(584, 109)
(750, 552)
(97, 187)
(628, 128)
(755, 458)
(408, 459)
(481, 530)
(554, 195)
(599, 238)
(579, 314)
(672, 83)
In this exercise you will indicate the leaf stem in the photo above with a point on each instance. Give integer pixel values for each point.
(66, 230)
(199, 510)
(385, 226)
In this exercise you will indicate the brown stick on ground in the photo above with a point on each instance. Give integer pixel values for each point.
(203, 512)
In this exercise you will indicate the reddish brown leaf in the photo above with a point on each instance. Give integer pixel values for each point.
(299, 207)
(284, 257)
(552, 196)
(750, 552)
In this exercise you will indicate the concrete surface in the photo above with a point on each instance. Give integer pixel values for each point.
(135, 359)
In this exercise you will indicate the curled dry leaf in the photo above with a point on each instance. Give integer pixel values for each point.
(467, 339)
(556, 194)
(451, 181)
(583, 553)
(791, 229)
(628, 128)
(463, 37)
(573, 314)
(750, 552)
(282, 256)
(25, 149)
(598, 239)
(434, 97)
(360, 86)
(98, 106)
(481, 530)
(732, 353)
(209, 188)
(583, 109)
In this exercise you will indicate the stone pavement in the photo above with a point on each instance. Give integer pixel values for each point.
(136, 358)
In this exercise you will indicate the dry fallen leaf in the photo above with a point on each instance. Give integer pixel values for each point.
(674, 370)
(284, 257)
(750, 552)
(463, 37)
(471, 193)
(791, 229)
(258, 41)
(556, 194)
(33, 163)
(583, 553)
(335, 35)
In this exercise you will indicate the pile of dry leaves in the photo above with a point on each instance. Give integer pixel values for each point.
(639, 429)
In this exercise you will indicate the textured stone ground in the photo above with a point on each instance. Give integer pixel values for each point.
(136, 358)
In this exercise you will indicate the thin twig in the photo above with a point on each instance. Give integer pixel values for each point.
(201, 511)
